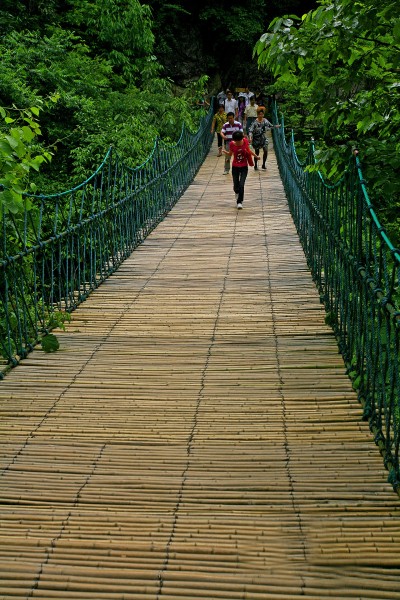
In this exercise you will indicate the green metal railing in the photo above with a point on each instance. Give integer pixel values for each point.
(53, 255)
(357, 271)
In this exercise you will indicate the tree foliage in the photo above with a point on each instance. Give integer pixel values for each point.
(90, 66)
(342, 61)
(18, 156)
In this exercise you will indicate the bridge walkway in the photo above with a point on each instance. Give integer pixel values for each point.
(196, 436)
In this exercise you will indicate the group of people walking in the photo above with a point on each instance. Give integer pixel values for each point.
(239, 124)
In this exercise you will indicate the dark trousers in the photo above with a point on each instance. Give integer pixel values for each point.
(239, 175)
(265, 152)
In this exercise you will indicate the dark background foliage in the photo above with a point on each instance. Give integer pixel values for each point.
(216, 37)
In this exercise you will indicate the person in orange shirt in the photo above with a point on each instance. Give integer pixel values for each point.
(218, 121)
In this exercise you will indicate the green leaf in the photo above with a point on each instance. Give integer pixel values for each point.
(50, 343)
(5, 147)
(27, 133)
(35, 162)
(12, 141)
(11, 201)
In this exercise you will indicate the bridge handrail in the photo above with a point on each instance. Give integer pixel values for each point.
(54, 254)
(357, 271)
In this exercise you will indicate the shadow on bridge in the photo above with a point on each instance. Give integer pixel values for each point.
(196, 436)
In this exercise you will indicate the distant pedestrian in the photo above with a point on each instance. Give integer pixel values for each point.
(230, 104)
(221, 97)
(258, 135)
(250, 114)
(248, 94)
(242, 156)
(241, 107)
(218, 121)
(227, 131)
(259, 96)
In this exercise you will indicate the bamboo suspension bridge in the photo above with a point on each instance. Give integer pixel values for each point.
(197, 435)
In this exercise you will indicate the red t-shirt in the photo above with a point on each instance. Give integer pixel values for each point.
(240, 153)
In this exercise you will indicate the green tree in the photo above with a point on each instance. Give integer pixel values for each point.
(119, 30)
(96, 58)
(342, 60)
(19, 154)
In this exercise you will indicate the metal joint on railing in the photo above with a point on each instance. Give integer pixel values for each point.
(394, 478)
(385, 300)
(369, 281)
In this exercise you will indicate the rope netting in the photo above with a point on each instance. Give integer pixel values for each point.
(357, 271)
(55, 254)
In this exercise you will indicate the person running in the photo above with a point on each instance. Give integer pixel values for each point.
(227, 131)
(242, 156)
(250, 114)
(218, 121)
(258, 135)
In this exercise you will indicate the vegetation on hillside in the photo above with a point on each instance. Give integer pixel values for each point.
(88, 66)
(337, 75)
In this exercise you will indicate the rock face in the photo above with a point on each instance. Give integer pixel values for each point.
(188, 55)
(185, 58)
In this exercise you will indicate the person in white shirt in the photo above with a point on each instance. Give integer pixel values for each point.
(248, 95)
(230, 104)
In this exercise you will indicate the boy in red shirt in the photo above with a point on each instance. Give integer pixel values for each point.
(242, 156)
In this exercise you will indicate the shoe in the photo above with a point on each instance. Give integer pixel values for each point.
(264, 167)
(239, 205)
(226, 173)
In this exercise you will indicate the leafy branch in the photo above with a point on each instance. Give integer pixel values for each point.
(18, 155)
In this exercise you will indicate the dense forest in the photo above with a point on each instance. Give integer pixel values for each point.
(81, 75)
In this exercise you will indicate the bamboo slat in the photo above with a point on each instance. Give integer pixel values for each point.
(196, 436)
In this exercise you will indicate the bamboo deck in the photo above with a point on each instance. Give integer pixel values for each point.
(196, 436)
